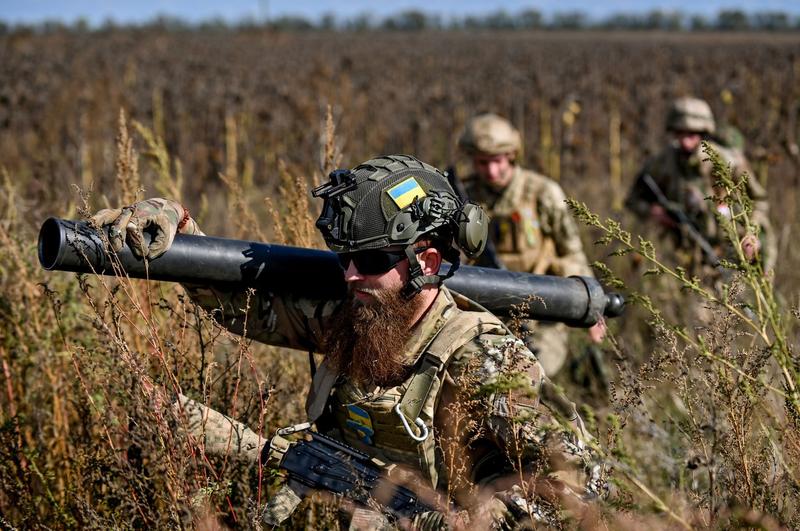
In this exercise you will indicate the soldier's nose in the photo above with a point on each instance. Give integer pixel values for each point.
(352, 273)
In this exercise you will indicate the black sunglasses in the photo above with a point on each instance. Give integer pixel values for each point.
(375, 261)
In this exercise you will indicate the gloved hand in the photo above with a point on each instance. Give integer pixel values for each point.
(163, 218)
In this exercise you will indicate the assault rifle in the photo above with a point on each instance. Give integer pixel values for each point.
(66, 245)
(325, 464)
(680, 217)
(488, 257)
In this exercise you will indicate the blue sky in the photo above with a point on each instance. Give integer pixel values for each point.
(97, 11)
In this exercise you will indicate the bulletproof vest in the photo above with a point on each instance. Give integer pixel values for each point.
(515, 225)
(370, 422)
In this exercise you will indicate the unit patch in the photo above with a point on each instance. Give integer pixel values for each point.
(360, 423)
(405, 192)
(530, 225)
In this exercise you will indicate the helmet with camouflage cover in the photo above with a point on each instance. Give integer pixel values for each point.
(690, 114)
(491, 134)
(395, 201)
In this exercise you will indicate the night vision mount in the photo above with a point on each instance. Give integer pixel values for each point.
(341, 182)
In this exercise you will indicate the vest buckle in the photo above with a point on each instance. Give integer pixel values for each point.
(418, 421)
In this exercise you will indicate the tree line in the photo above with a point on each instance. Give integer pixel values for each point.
(416, 20)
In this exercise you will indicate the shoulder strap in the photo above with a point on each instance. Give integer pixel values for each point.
(529, 192)
(462, 328)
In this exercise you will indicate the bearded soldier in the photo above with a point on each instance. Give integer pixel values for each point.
(413, 373)
(680, 179)
(531, 227)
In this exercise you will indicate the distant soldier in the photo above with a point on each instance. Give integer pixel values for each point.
(679, 180)
(531, 227)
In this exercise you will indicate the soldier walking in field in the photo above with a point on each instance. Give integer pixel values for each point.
(413, 375)
(531, 227)
(676, 190)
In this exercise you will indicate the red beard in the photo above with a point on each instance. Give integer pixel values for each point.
(366, 342)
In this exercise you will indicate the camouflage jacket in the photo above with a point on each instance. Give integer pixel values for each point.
(532, 228)
(476, 431)
(687, 181)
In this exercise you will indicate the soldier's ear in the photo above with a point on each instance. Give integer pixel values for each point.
(430, 260)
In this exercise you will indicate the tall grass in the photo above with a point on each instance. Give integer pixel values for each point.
(91, 366)
(701, 425)
(711, 419)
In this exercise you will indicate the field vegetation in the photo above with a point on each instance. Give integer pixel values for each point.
(701, 423)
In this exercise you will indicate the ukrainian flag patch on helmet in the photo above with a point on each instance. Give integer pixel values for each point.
(405, 192)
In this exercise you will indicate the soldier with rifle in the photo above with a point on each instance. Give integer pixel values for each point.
(676, 190)
(531, 227)
(405, 359)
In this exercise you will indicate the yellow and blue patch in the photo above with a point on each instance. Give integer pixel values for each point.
(361, 423)
(405, 192)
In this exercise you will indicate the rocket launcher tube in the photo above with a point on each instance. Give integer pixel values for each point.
(66, 245)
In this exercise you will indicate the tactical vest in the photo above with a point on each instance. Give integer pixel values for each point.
(370, 422)
(516, 230)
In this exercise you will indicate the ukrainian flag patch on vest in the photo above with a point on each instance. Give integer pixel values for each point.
(360, 423)
(405, 192)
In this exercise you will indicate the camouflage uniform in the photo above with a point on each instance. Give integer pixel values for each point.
(531, 227)
(534, 232)
(466, 412)
(471, 342)
(686, 180)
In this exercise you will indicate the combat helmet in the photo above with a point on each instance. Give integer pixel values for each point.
(491, 134)
(395, 201)
(690, 114)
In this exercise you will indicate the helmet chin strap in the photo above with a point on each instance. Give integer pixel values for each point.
(417, 280)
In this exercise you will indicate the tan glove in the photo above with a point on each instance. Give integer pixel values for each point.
(163, 218)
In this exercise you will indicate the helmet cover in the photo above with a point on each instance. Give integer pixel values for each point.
(491, 134)
(390, 201)
(690, 114)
